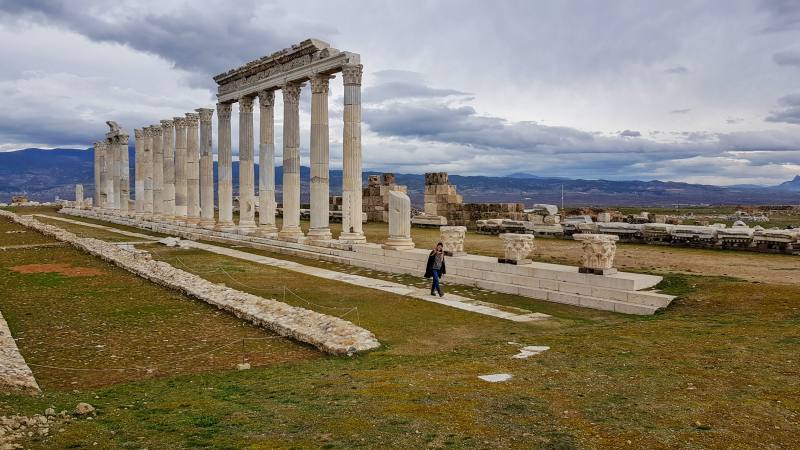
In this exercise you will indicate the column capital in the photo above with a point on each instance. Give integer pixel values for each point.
(122, 138)
(320, 83)
(166, 124)
(138, 133)
(291, 92)
(155, 130)
(266, 98)
(246, 105)
(205, 114)
(224, 111)
(180, 122)
(351, 73)
(191, 119)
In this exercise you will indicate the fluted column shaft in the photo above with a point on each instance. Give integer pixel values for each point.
(224, 168)
(291, 161)
(266, 164)
(180, 168)
(351, 170)
(192, 169)
(247, 203)
(98, 175)
(105, 175)
(206, 169)
(168, 185)
(158, 171)
(114, 169)
(124, 174)
(147, 172)
(320, 149)
(138, 184)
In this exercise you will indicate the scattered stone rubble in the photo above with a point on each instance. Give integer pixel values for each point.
(15, 428)
(329, 334)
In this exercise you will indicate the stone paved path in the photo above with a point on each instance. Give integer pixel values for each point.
(451, 300)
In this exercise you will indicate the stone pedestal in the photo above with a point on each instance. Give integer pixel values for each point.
(351, 157)
(206, 170)
(247, 202)
(192, 169)
(224, 169)
(598, 253)
(266, 166)
(168, 184)
(291, 163)
(517, 248)
(79, 196)
(399, 222)
(452, 239)
(320, 189)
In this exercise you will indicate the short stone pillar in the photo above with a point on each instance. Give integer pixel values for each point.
(452, 238)
(79, 196)
(517, 248)
(598, 253)
(399, 222)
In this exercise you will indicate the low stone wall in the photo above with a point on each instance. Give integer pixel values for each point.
(15, 375)
(328, 333)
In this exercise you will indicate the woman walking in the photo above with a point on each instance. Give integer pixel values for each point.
(435, 268)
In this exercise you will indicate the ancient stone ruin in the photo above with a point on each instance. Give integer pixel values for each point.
(376, 196)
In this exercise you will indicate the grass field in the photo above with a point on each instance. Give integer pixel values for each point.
(717, 369)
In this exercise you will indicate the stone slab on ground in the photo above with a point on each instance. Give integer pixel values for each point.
(15, 375)
(496, 377)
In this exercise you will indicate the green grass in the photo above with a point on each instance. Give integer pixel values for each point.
(723, 355)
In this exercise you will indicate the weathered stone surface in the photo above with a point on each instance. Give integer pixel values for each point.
(517, 247)
(598, 251)
(84, 409)
(329, 334)
(399, 222)
(452, 239)
(15, 375)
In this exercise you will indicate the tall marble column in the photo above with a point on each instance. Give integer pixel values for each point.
(158, 172)
(206, 170)
(138, 184)
(98, 177)
(224, 168)
(247, 203)
(291, 162)
(147, 172)
(181, 207)
(351, 158)
(266, 165)
(320, 149)
(168, 185)
(114, 170)
(104, 173)
(124, 174)
(192, 169)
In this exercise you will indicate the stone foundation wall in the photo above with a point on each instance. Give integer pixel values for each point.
(15, 375)
(376, 196)
(327, 333)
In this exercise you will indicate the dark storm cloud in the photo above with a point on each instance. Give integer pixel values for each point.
(197, 36)
(789, 110)
(677, 70)
(630, 133)
(787, 58)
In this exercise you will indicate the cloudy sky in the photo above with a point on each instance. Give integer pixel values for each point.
(697, 91)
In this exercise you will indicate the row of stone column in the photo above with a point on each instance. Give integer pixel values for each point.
(174, 177)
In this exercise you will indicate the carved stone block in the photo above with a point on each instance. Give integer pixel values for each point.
(517, 248)
(598, 252)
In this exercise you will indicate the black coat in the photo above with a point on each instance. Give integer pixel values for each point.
(429, 266)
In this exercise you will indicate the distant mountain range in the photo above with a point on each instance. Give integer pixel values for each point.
(44, 174)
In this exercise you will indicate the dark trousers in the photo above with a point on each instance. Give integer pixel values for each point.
(435, 285)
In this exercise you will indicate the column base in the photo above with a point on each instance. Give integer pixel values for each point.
(267, 231)
(208, 224)
(226, 226)
(398, 244)
(319, 234)
(247, 226)
(291, 234)
(353, 238)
